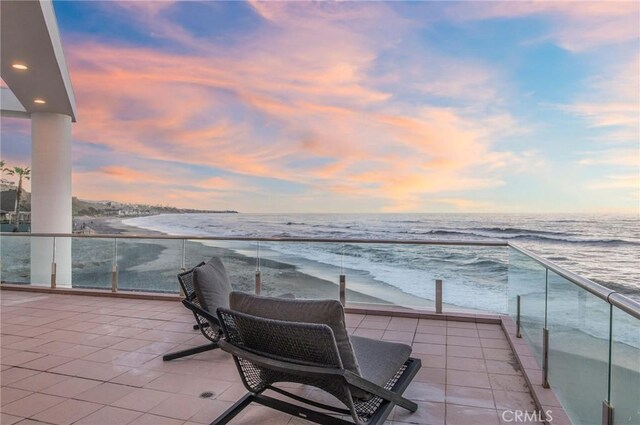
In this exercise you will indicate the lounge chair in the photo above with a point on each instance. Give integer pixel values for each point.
(305, 341)
(206, 287)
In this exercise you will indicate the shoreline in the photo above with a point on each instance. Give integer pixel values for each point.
(277, 278)
(280, 275)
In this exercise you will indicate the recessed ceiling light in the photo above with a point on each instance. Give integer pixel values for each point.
(39, 101)
(20, 66)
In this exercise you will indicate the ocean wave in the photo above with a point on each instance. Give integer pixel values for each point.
(532, 235)
(517, 230)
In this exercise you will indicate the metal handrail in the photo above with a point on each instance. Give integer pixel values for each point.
(492, 242)
(612, 297)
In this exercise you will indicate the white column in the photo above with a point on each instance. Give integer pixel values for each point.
(50, 196)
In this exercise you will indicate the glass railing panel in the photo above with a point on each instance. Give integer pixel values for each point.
(15, 255)
(578, 324)
(149, 265)
(625, 370)
(527, 279)
(238, 257)
(308, 270)
(92, 262)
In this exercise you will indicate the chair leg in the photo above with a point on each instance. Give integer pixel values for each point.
(190, 351)
(282, 406)
(233, 411)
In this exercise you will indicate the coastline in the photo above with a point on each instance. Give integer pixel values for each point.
(111, 226)
(277, 278)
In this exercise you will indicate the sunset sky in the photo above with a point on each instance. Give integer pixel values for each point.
(353, 106)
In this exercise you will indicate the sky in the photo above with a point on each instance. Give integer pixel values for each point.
(354, 107)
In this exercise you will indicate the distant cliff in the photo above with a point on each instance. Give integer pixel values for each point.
(112, 208)
(100, 208)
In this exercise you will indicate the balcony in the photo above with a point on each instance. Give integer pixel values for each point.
(91, 352)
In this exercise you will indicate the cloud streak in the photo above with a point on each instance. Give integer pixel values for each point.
(293, 97)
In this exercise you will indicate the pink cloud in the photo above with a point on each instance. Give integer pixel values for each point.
(575, 25)
(287, 96)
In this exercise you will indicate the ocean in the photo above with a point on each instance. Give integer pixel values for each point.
(603, 248)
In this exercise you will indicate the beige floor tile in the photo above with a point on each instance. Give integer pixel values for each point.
(497, 354)
(149, 419)
(71, 387)
(468, 379)
(464, 415)
(9, 419)
(470, 352)
(31, 405)
(77, 351)
(465, 363)
(9, 395)
(430, 338)
(253, 415)
(47, 362)
(433, 349)
(20, 357)
(142, 399)
(37, 383)
(508, 383)
(430, 360)
(136, 377)
(473, 333)
(67, 412)
(106, 355)
(463, 341)
(431, 375)
(210, 411)
(188, 385)
(110, 416)
(180, 406)
(467, 396)
(513, 400)
(105, 393)
(502, 367)
(399, 336)
(426, 328)
(423, 391)
(457, 324)
(428, 413)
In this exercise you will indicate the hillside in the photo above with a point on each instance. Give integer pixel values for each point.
(106, 208)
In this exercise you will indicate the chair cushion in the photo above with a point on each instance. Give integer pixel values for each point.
(212, 286)
(327, 312)
(379, 360)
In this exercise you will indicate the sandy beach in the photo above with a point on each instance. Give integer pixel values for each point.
(155, 265)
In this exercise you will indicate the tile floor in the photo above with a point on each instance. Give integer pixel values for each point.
(69, 359)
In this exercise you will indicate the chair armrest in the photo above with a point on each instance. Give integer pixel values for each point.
(280, 365)
(200, 311)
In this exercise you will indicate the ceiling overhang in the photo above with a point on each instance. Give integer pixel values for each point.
(29, 35)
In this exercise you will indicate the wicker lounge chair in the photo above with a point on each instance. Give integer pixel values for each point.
(302, 341)
(206, 287)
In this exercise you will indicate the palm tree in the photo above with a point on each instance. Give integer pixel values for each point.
(22, 173)
(2, 171)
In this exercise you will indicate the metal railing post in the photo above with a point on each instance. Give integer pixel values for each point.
(439, 296)
(114, 267)
(607, 413)
(518, 333)
(183, 264)
(343, 279)
(607, 408)
(184, 251)
(258, 278)
(545, 357)
(53, 265)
